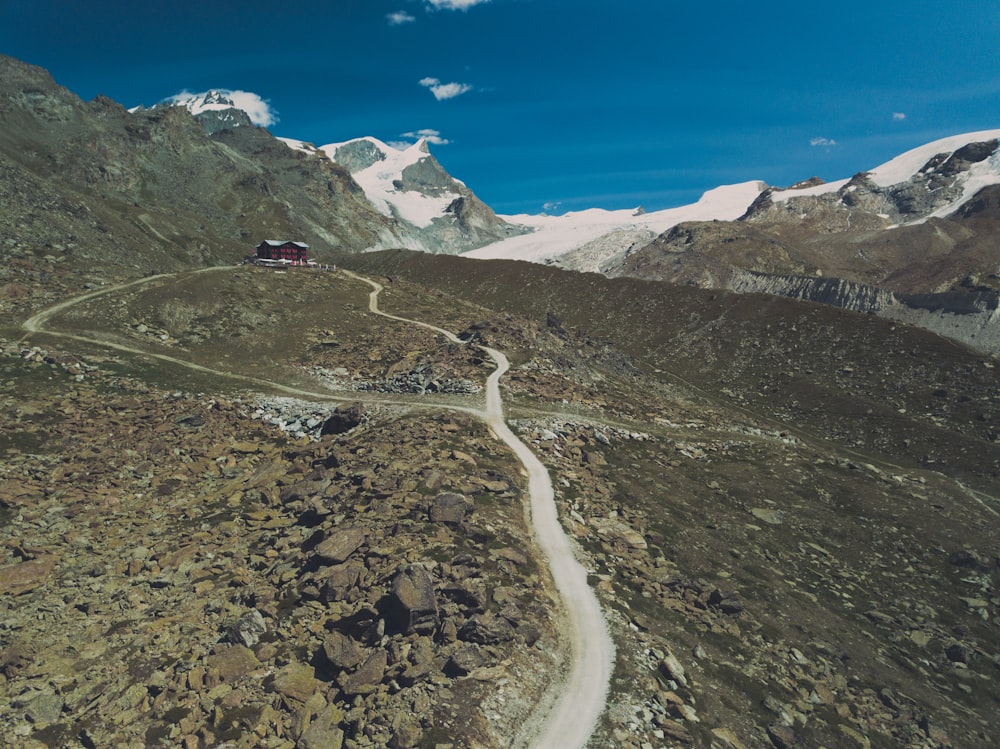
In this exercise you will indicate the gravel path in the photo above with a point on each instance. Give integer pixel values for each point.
(567, 716)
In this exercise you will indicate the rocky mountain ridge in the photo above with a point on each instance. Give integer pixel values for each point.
(919, 249)
(85, 183)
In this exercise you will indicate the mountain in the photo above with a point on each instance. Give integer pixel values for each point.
(216, 109)
(912, 239)
(436, 212)
(91, 190)
(591, 240)
(240, 508)
(428, 209)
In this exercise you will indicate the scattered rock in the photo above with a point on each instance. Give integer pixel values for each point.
(412, 603)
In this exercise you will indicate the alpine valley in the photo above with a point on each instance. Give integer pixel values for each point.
(725, 475)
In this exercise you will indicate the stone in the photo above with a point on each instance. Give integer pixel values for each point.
(368, 676)
(344, 418)
(728, 738)
(412, 603)
(449, 508)
(297, 681)
(728, 603)
(41, 708)
(26, 576)
(672, 669)
(340, 544)
(676, 731)
(407, 735)
(303, 491)
(510, 554)
(323, 732)
(340, 580)
(248, 629)
(783, 737)
(466, 659)
(767, 515)
(486, 629)
(854, 737)
(958, 653)
(232, 662)
(341, 652)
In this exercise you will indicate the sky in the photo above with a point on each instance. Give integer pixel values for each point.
(556, 105)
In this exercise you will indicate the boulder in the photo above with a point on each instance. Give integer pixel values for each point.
(368, 676)
(233, 662)
(464, 661)
(486, 629)
(25, 576)
(344, 418)
(341, 652)
(340, 544)
(340, 581)
(296, 681)
(248, 629)
(412, 603)
(449, 508)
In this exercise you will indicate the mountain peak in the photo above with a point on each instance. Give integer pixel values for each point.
(256, 109)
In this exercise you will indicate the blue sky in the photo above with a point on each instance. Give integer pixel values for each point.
(552, 104)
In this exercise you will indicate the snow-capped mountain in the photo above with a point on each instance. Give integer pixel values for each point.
(434, 211)
(913, 239)
(588, 240)
(930, 181)
(219, 109)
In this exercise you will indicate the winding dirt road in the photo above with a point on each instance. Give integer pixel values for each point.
(567, 715)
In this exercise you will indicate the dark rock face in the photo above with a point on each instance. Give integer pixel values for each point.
(412, 603)
(358, 155)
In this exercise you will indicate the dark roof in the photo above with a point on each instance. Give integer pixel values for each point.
(280, 242)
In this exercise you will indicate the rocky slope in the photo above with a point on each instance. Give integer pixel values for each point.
(94, 189)
(439, 213)
(792, 551)
(920, 250)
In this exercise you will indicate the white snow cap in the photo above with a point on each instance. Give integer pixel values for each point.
(377, 182)
(556, 235)
(906, 165)
(258, 109)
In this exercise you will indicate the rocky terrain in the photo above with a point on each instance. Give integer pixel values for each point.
(237, 509)
(84, 184)
(861, 247)
(177, 572)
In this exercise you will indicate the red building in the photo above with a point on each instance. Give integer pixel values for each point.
(281, 249)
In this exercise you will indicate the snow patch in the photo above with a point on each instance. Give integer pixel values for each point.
(554, 236)
(378, 180)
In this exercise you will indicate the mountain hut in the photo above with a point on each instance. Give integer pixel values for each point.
(282, 249)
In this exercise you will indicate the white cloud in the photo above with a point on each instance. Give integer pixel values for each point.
(399, 17)
(551, 206)
(898, 116)
(258, 109)
(454, 4)
(432, 136)
(827, 142)
(444, 91)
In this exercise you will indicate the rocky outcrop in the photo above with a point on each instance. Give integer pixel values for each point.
(833, 291)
